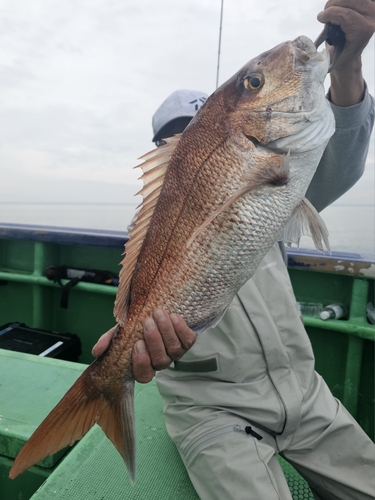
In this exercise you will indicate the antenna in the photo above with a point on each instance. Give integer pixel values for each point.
(218, 52)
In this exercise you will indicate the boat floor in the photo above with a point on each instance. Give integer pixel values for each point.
(95, 470)
(92, 469)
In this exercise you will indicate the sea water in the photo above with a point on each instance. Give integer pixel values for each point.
(351, 227)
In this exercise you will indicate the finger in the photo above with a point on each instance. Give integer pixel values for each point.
(103, 343)
(143, 371)
(155, 342)
(354, 24)
(174, 348)
(363, 7)
(346, 18)
(185, 334)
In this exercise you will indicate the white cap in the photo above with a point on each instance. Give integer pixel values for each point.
(325, 315)
(180, 104)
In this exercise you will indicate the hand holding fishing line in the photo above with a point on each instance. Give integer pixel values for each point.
(357, 21)
(166, 339)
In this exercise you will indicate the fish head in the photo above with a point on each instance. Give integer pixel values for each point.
(277, 99)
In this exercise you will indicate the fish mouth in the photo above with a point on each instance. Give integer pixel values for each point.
(306, 54)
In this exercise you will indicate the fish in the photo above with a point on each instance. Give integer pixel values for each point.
(215, 200)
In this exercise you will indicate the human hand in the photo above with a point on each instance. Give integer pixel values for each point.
(357, 21)
(166, 339)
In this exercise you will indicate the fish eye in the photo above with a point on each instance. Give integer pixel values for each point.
(255, 81)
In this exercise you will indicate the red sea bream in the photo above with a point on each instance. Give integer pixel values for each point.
(215, 199)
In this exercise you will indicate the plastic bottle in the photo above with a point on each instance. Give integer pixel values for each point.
(310, 308)
(333, 311)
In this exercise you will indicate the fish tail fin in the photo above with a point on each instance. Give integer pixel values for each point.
(82, 406)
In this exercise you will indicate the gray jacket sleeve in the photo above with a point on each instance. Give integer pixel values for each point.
(343, 161)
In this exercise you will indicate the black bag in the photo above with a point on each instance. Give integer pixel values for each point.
(19, 337)
(74, 275)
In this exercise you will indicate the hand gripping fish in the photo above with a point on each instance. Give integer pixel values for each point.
(215, 199)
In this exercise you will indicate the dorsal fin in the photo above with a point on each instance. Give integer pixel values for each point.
(154, 167)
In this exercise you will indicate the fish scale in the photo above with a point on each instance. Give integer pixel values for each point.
(214, 202)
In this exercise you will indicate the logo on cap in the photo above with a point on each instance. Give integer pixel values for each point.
(198, 102)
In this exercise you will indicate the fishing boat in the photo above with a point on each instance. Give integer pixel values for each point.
(48, 325)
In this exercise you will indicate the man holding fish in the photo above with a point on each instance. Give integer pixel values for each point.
(218, 410)
(215, 201)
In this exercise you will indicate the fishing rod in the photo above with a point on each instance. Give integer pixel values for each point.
(219, 49)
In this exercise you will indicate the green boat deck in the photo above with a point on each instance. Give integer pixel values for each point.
(30, 385)
(92, 469)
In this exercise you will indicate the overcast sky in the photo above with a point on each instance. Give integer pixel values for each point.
(80, 80)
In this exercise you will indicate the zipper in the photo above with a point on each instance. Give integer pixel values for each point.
(219, 432)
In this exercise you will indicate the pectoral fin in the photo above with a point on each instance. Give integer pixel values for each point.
(306, 221)
(275, 173)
